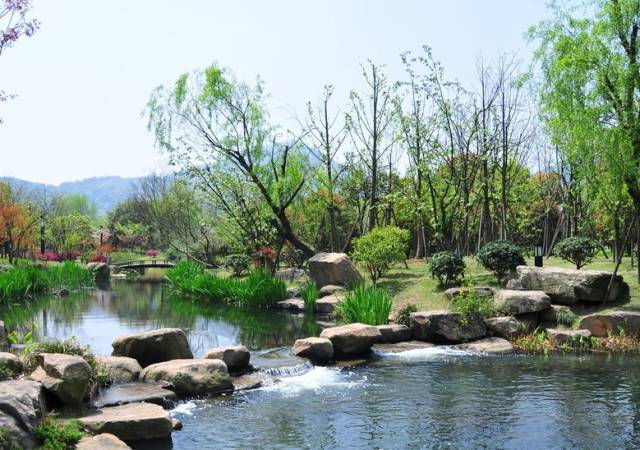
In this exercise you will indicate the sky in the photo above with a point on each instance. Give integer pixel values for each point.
(83, 80)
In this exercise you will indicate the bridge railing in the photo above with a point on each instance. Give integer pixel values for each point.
(145, 262)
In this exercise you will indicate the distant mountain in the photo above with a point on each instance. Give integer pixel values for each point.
(104, 192)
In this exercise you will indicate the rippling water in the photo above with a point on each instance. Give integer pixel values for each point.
(427, 398)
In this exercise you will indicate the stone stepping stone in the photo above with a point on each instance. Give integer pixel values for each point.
(122, 394)
(393, 333)
(292, 304)
(490, 345)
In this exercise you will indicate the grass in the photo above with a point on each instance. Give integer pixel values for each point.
(309, 293)
(58, 434)
(259, 289)
(368, 305)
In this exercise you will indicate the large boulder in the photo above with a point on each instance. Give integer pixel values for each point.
(4, 338)
(351, 340)
(135, 421)
(568, 286)
(10, 365)
(236, 357)
(571, 338)
(446, 326)
(490, 345)
(521, 302)
(104, 441)
(22, 406)
(67, 377)
(504, 326)
(333, 268)
(191, 377)
(153, 346)
(318, 350)
(101, 271)
(393, 333)
(121, 369)
(122, 394)
(601, 325)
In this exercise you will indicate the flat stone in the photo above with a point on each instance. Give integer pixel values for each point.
(121, 394)
(393, 333)
(191, 377)
(121, 369)
(104, 441)
(22, 407)
(248, 381)
(333, 268)
(402, 346)
(491, 345)
(481, 291)
(569, 337)
(601, 325)
(135, 421)
(328, 304)
(292, 304)
(10, 364)
(520, 302)
(446, 327)
(505, 326)
(351, 340)
(153, 346)
(318, 350)
(331, 289)
(236, 357)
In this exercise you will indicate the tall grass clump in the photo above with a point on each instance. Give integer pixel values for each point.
(68, 275)
(259, 289)
(22, 282)
(309, 294)
(368, 305)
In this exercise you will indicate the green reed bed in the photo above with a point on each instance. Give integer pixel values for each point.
(259, 289)
(368, 305)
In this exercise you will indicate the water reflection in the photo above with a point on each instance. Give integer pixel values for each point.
(95, 317)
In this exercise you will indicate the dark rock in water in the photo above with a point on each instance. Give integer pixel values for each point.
(236, 357)
(351, 340)
(248, 381)
(153, 346)
(100, 270)
(446, 327)
(292, 304)
(22, 406)
(601, 325)
(122, 394)
(318, 350)
(333, 268)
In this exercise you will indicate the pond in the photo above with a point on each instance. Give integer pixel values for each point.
(428, 398)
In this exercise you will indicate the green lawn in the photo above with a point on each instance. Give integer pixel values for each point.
(412, 284)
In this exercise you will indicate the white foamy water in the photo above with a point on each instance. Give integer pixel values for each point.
(315, 379)
(426, 354)
(185, 408)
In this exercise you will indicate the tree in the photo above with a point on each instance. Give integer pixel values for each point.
(590, 94)
(379, 249)
(70, 233)
(18, 221)
(578, 250)
(211, 123)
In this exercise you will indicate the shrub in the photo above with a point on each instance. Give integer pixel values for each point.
(566, 317)
(447, 267)
(57, 434)
(238, 263)
(578, 250)
(379, 249)
(22, 282)
(70, 346)
(404, 314)
(500, 257)
(369, 305)
(152, 252)
(9, 440)
(469, 303)
(309, 294)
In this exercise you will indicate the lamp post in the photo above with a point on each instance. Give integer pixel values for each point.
(537, 255)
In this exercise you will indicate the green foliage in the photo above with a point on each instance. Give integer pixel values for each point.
(566, 317)
(259, 289)
(57, 434)
(70, 346)
(447, 267)
(536, 342)
(379, 249)
(500, 257)
(404, 314)
(68, 275)
(238, 263)
(309, 293)
(578, 250)
(368, 305)
(9, 441)
(469, 303)
(70, 232)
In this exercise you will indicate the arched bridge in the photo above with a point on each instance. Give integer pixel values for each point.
(145, 264)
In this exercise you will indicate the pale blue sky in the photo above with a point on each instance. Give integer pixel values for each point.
(83, 80)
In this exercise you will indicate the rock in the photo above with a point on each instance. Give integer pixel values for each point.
(22, 406)
(601, 325)
(121, 369)
(104, 441)
(550, 315)
(67, 377)
(481, 291)
(571, 338)
(327, 305)
(4, 338)
(100, 270)
(446, 327)
(318, 350)
(568, 286)
(351, 340)
(191, 377)
(506, 326)
(528, 321)
(121, 394)
(135, 421)
(236, 357)
(248, 381)
(293, 292)
(520, 302)
(514, 284)
(153, 346)
(394, 333)
(10, 365)
(402, 346)
(331, 289)
(292, 304)
(289, 274)
(492, 345)
(333, 268)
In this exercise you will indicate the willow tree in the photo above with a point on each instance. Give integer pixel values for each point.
(591, 87)
(210, 124)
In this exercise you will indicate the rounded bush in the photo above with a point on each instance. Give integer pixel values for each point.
(578, 250)
(238, 263)
(500, 257)
(446, 267)
(380, 248)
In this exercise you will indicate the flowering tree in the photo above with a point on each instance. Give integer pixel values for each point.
(17, 222)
